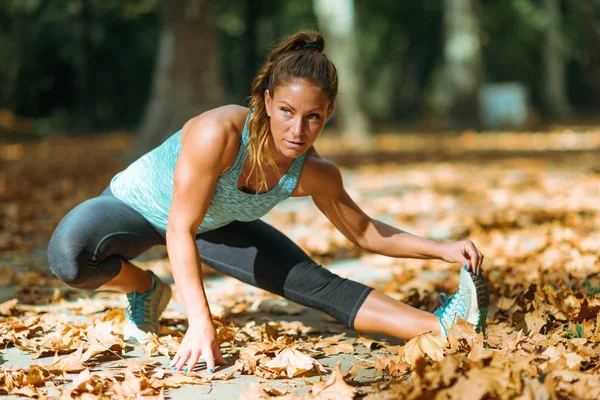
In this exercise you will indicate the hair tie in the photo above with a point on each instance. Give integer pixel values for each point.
(316, 46)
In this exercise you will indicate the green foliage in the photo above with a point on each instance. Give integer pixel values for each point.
(578, 333)
(116, 49)
(401, 43)
(77, 68)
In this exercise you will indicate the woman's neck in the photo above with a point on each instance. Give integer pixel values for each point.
(282, 163)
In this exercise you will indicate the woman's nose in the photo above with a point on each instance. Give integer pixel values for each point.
(297, 127)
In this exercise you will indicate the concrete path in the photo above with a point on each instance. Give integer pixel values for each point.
(216, 285)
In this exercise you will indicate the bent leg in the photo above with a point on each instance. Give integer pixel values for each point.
(92, 243)
(258, 254)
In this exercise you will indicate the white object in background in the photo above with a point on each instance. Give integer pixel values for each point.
(503, 105)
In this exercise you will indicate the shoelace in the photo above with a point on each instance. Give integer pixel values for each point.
(453, 305)
(137, 311)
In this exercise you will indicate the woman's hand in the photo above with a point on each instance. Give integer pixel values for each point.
(465, 253)
(199, 340)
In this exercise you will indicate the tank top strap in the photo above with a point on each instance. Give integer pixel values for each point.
(245, 133)
(242, 153)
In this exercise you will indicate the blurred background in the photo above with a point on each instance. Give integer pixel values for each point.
(146, 66)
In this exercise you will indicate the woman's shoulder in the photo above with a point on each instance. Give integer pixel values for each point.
(319, 175)
(219, 128)
(226, 120)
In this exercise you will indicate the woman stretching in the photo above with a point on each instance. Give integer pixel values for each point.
(202, 192)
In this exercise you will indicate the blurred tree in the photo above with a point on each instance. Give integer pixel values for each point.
(337, 22)
(80, 10)
(400, 47)
(555, 97)
(15, 17)
(462, 59)
(187, 72)
(590, 59)
(61, 64)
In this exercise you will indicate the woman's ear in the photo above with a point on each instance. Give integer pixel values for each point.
(330, 111)
(268, 102)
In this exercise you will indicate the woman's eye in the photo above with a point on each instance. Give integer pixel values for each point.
(285, 111)
(314, 116)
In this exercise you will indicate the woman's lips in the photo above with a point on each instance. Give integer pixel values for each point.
(294, 144)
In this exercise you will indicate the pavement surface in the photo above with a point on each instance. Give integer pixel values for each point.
(231, 389)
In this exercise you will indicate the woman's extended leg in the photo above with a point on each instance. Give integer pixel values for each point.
(383, 314)
(258, 254)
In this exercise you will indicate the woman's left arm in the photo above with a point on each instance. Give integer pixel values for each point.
(330, 196)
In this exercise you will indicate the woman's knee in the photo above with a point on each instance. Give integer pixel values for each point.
(313, 285)
(67, 256)
(71, 247)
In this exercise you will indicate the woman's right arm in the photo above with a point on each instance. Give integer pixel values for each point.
(203, 156)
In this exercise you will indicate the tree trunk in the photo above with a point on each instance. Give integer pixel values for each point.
(80, 63)
(186, 77)
(555, 98)
(16, 47)
(591, 66)
(462, 57)
(251, 15)
(336, 20)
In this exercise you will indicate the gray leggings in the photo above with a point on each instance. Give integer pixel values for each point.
(86, 249)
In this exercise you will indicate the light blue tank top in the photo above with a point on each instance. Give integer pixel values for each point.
(147, 186)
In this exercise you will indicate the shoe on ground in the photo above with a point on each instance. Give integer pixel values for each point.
(145, 309)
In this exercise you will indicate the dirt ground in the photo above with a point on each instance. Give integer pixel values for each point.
(534, 212)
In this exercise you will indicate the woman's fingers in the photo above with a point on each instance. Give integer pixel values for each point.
(175, 359)
(218, 357)
(208, 356)
(192, 360)
(184, 355)
(473, 255)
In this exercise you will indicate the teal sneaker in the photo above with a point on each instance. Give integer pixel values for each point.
(145, 309)
(470, 302)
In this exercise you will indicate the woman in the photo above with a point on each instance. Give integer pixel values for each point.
(202, 193)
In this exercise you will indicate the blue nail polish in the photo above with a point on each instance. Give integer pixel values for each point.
(185, 370)
(211, 370)
(169, 364)
(174, 368)
(466, 266)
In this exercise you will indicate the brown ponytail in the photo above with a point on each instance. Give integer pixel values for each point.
(297, 56)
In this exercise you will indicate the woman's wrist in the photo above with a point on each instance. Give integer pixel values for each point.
(200, 320)
(441, 250)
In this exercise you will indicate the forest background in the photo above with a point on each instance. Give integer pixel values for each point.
(146, 66)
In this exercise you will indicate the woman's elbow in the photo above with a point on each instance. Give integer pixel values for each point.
(174, 231)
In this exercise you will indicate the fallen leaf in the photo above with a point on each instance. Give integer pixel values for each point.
(426, 344)
(292, 362)
(335, 388)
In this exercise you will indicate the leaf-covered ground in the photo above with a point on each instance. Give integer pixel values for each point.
(535, 216)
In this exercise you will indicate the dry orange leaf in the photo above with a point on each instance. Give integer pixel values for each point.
(335, 388)
(426, 344)
(291, 363)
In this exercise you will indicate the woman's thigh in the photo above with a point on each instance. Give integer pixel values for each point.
(253, 252)
(89, 242)
(258, 254)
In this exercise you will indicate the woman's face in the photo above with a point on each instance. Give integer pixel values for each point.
(297, 111)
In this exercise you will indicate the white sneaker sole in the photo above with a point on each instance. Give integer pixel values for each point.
(479, 308)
